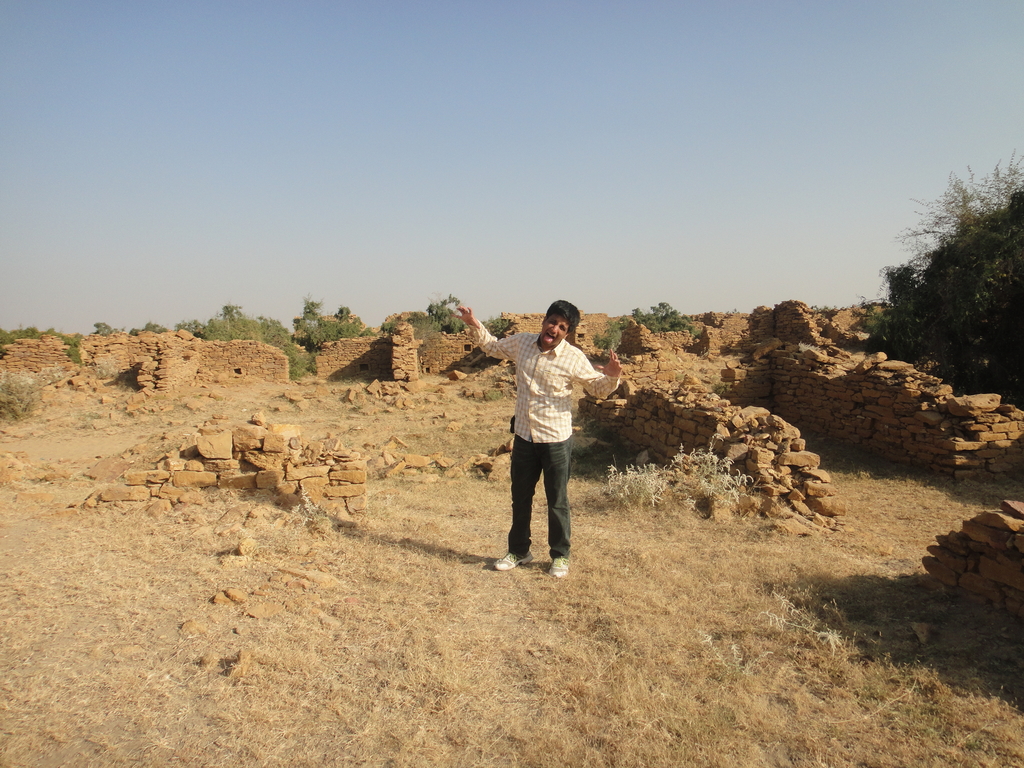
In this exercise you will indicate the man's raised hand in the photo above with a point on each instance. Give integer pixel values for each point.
(465, 314)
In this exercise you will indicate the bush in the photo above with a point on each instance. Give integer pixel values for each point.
(498, 326)
(20, 392)
(609, 340)
(638, 486)
(713, 480)
(664, 318)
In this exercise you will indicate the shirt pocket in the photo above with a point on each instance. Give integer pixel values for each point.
(553, 383)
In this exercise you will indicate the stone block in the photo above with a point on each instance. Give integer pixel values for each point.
(1000, 573)
(799, 459)
(215, 446)
(979, 585)
(189, 479)
(984, 534)
(125, 493)
(940, 571)
(829, 506)
(301, 473)
(269, 479)
(344, 491)
(242, 481)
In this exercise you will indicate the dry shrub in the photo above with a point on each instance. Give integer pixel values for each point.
(711, 478)
(638, 487)
(20, 392)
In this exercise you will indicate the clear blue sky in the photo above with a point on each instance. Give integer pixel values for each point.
(161, 159)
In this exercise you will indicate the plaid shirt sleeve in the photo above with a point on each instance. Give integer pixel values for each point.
(544, 382)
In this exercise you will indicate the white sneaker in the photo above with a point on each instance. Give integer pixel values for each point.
(559, 567)
(511, 560)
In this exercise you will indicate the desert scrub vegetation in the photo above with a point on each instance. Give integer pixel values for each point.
(709, 482)
(20, 392)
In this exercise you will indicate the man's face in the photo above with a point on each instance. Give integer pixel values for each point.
(555, 329)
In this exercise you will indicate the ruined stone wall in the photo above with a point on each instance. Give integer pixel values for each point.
(363, 356)
(523, 323)
(845, 327)
(35, 355)
(721, 332)
(220, 361)
(257, 456)
(590, 326)
(760, 326)
(796, 323)
(118, 350)
(893, 410)
(405, 362)
(664, 419)
(175, 359)
(448, 352)
(985, 558)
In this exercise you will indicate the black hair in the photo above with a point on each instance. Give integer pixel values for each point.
(566, 310)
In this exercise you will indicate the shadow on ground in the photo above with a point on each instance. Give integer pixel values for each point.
(973, 647)
(839, 457)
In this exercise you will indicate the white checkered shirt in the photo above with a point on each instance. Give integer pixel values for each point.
(544, 382)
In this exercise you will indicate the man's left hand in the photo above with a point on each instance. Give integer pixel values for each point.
(613, 368)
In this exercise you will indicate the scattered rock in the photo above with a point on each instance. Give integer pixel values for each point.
(264, 610)
(192, 627)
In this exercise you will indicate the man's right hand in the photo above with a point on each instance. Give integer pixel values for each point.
(465, 314)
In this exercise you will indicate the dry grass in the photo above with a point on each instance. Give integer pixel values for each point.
(676, 640)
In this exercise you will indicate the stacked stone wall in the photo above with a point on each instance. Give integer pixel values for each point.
(251, 457)
(721, 332)
(985, 558)
(448, 352)
(221, 361)
(119, 350)
(405, 363)
(360, 357)
(760, 326)
(895, 411)
(796, 323)
(176, 359)
(35, 355)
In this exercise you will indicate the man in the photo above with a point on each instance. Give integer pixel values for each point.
(546, 368)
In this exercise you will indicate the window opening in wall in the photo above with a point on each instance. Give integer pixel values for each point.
(364, 367)
(238, 371)
(467, 347)
(426, 370)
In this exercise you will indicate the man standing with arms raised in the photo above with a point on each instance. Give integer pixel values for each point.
(547, 366)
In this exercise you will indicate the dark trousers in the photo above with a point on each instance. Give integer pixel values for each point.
(529, 461)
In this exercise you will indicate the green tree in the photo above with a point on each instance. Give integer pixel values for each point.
(440, 312)
(498, 326)
(664, 318)
(313, 329)
(102, 329)
(609, 340)
(954, 309)
(437, 319)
